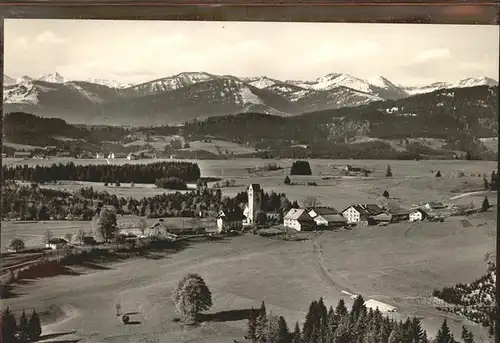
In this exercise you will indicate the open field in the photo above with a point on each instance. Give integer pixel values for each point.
(399, 264)
(218, 147)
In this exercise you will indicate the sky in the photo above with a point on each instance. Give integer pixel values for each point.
(141, 51)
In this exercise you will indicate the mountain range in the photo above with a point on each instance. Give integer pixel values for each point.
(199, 95)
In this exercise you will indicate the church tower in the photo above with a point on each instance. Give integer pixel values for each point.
(254, 201)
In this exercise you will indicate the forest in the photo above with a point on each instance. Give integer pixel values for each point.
(341, 325)
(35, 203)
(138, 173)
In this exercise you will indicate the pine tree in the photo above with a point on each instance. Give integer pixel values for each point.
(344, 332)
(283, 333)
(386, 194)
(417, 332)
(23, 328)
(252, 323)
(485, 205)
(494, 180)
(396, 335)
(388, 172)
(297, 336)
(438, 174)
(311, 320)
(485, 182)
(262, 324)
(444, 334)
(35, 327)
(467, 336)
(341, 309)
(9, 326)
(357, 306)
(322, 312)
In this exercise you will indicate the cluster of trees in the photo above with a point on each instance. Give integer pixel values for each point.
(341, 325)
(27, 330)
(141, 173)
(300, 168)
(171, 183)
(475, 301)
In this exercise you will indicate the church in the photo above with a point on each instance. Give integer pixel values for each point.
(254, 205)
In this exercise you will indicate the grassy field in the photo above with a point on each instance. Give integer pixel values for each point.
(399, 264)
(218, 147)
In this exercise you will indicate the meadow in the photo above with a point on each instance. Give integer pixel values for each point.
(399, 264)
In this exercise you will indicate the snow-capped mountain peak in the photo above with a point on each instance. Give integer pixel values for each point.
(52, 78)
(109, 83)
(381, 82)
(334, 80)
(476, 81)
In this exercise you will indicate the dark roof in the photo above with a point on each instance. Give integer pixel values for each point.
(367, 209)
(230, 215)
(323, 210)
(399, 211)
(435, 204)
(57, 240)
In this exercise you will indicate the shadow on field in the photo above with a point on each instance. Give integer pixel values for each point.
(7, 292)
(226, 316)
(46, 270)
(55, 335)
(133, 322)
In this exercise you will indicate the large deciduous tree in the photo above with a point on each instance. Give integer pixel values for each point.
(191, 297)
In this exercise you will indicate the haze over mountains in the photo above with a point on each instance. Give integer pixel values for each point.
(199, 95)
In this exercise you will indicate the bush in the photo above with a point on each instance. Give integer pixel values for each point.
(287, 180)
(301, 168)
(17, 244)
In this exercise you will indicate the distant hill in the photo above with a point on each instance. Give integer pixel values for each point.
(198, 95)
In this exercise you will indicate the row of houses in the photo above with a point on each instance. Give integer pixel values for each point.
(129, 156)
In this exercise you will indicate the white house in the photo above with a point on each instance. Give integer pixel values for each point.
(56, 243)
(327, 217)
(361, 212)
(229, 220)
(99, 155)
(418, 215)
(298, 219)
(111, 155)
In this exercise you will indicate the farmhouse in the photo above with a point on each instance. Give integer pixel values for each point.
(56, 243)
(327, 217)
(298, 219)
(418, 215)
(158, 230)
(117, 155)
(229, 220)
(399, 214)
(383, 217)
(22, 154)
(359, 212)
(99, 155)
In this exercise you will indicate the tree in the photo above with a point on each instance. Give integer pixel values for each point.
(341, 309)
(467, 336)
(9, 326)
(142, 226)
(417, 332)
(106, 224)
(485, 205)
(23, 328)
(191, 297)
(34, 326)
(386, 194)
(261, 327)
(388, 172)
(260, 218)
(310, 202)
(80, 235)
(296, 335)
(287, 180)
(485, 182)
(444, 334)
(438, 174)
(17, 244)
(48, 236)
(68, 237)
(117, 183)
(494, 180)
(357, 306)
(283, 333)
(252, 324)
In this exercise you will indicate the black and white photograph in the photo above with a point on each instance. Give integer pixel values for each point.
(248, 182)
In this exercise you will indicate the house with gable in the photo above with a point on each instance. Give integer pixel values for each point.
(299, 219)
(228, 220)
(327, 217)
(356, 213)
